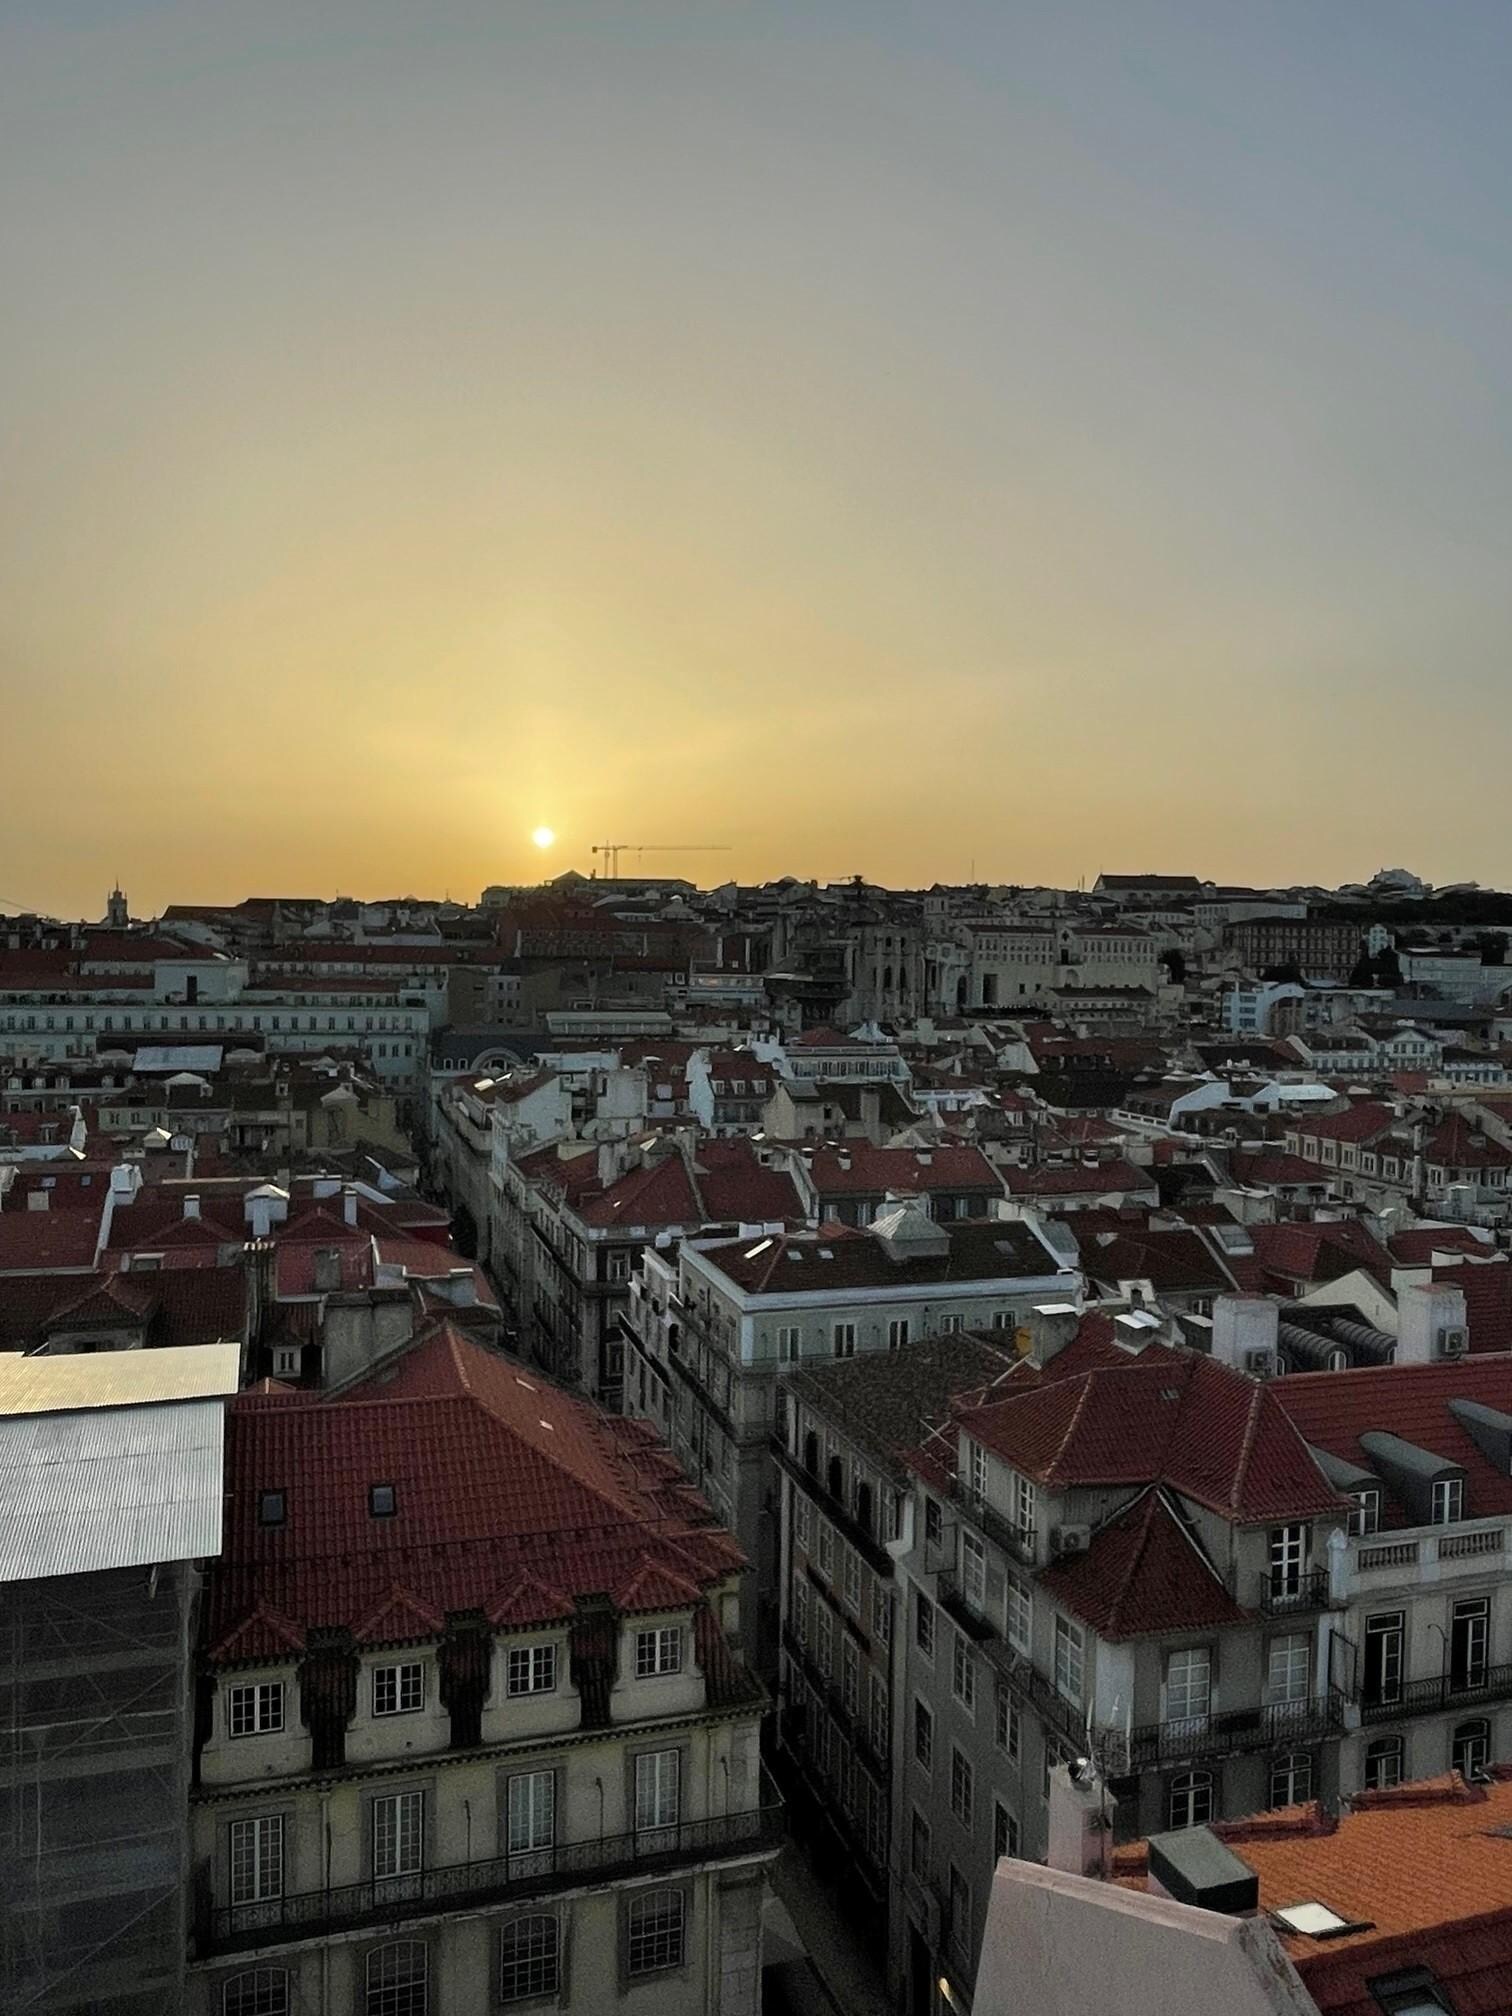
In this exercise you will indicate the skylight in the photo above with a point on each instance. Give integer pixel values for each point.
(1314, 1920)
(759, 1248)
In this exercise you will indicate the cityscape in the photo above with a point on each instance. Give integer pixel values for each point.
(892, 1397)
(772, 1446)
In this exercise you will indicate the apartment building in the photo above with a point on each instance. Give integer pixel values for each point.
(709, 1344)
(851, 1184)
(1380, 1154)
(1018, 966)
(473, 1734)
(1118, 1551)
(1315, 945)
(1421, 1578)
(842, 1445)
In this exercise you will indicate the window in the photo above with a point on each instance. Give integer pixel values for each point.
(1412, 1992)
(789, 1344)
(271, 1508)
(1382, 1679)
(1291, 1778)
(655, 1932)
(256, 1850)
(877, 1718)
(261, 1991)
(852, 1576)
(658, 1651)
(845, 1340)
(977, 1468)
(826, 1551)
(824, 1639)
(382, 1503)
(961, 1793)
(918, 1846)
(960, 1911)
(398, 1980)
(949, 1325)
(1005, 1725)
(924, 1624)
(1025, 1507)
(530, 1812)
(1288, 1559)
(398, 1834)
(881, 1613)
(1005, 1831)
(1068, 1659)
(399, 1690)
(923, 1736)
(256, 1710)
(1383, 1763)
(1364, 1510)
(1470, 1752)
(531, 1669)
(850, 1678)
(973, 1571)
(1020, 1614)
(897, 1333)
(1469, 1644)
(1287, 1668)
(963, 1674)
(1189, 1683)
(530, 1958)
(801, 1609)
(1448, 1500)
(1189, 1800)
(658, 1791)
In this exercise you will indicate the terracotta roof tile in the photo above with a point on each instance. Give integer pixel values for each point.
(1143, 1572)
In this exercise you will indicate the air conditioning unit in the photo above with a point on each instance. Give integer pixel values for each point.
(1454, 1342)
(1070, 1539)
(1260, 1364)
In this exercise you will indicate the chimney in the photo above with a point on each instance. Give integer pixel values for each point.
(1244, 1326)
(349, 1203)
(462, 1287)
(1080, 1836)
(1051, 1327)
(191, 1207)
(1427, 1313)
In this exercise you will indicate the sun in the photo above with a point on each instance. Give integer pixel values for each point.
(543, 836)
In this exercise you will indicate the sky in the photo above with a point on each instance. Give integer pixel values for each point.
(930, 440)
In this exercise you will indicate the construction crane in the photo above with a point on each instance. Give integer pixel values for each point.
(612, 850)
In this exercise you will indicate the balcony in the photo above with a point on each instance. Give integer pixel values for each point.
(1017, 1541)
(1443, 1691)
(866, 1543)
(1156, 1745)
(1294, 1595)
(499, 1880)
(960, 1609)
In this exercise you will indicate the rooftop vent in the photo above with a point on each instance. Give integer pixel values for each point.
(1193, 1866)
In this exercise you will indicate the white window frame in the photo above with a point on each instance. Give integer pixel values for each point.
(399, 1688)
(258, 1705)
(255, 1854)
(398, 1827)
(530, 1669)
(1070, 1660)
(658, 1651)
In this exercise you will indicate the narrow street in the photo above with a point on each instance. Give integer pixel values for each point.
(803, 1920)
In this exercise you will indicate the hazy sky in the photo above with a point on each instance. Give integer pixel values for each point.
(879, 437)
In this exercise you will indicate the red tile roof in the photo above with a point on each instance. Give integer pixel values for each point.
(40, 1242)
(1211, 1434)
(1078, 1179)
(1333, 1409)
(1357, 1123)
(1172, 1259)
(1417, 1244)
(1294, 1253)
(1143, 1572)
(500, 1481)
(865, 1171)
(1487, 1288)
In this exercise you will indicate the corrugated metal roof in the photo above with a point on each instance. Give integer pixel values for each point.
(53, 1385)
(114, 1487)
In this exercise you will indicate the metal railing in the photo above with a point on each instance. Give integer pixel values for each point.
(1153, 1745)
(1017, 1541)
(1290, 1595)
(499, 1879)
(1441, 1691)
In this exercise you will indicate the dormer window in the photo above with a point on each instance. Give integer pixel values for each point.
(382, 1502)
(1364, 1510)
(271, 1508)
(1448, 1500)
(658, 1651)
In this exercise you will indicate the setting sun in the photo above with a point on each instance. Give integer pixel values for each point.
(543, 836)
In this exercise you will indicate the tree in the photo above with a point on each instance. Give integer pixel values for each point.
(1388, 968)
(1362, 973)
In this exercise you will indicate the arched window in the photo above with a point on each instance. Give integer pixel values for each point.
(1338, 1361)
(530, 1958)
(655, 1931)
(1470, 1752)
(398, 1980)
(1291, 1778)
(261, 1991)
(835, 1479)
(1190, 1803)
(811, 1453)
(864, 1506)
(1383, 1763)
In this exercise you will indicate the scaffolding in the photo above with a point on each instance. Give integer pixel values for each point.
(96, 1723)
